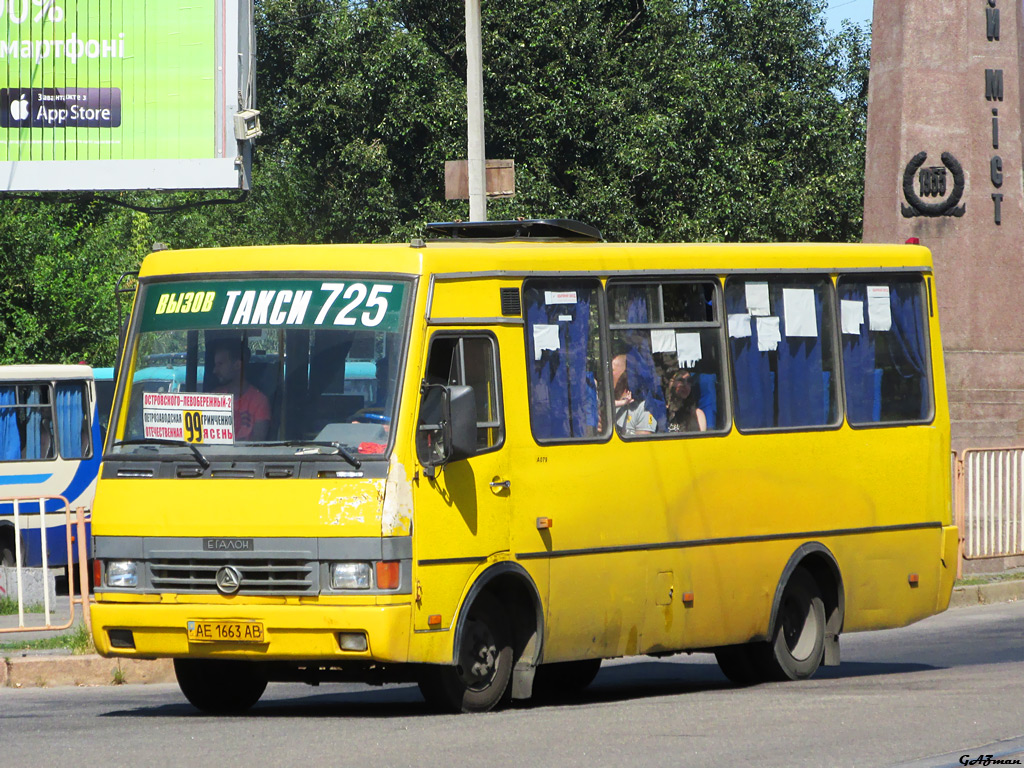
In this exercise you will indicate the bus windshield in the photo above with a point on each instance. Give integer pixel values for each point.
(264, 366)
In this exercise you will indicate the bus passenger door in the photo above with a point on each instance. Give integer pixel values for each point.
(462, 513)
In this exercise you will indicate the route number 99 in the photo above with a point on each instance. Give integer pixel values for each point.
(193, 426)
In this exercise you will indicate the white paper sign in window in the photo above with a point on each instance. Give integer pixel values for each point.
(852, 316)
(559, 297)
(757, 299)
(798, 307)
(204, 418)
(545, 337)
(768, 336)
(688, 349)
(663, 341)
(879, 313)
(739, 326)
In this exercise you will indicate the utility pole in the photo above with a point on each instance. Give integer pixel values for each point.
(476, 153)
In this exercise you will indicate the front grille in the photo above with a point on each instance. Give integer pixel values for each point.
(259, 576)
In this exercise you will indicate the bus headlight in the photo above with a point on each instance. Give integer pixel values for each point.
(350, 576)
(122, 573)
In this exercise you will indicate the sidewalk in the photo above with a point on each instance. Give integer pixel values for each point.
(44, 669)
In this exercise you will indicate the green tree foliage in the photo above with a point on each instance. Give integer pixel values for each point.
(655, 120)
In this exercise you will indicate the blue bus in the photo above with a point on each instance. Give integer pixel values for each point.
(49, 446)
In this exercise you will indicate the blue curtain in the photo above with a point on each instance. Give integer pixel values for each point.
(707, 397)
(863, 384)
(644, 382)
(34, 427)
(10, 439)
(908, 352)
(70, 420)
(753, 378)
(802, 396)
(563, 393)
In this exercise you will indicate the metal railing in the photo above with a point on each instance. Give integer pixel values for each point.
(75, 534)
(989, 502)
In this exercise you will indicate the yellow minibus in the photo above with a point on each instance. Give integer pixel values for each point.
(487, 461)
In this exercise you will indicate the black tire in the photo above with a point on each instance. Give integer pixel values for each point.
(6, 551)
(556, 681)
(798, 645)
(479, 681)
(742, 664)
(220, 687)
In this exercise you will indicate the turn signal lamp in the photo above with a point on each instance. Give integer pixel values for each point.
(387, 574)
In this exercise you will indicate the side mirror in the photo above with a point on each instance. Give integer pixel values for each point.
(447, 425)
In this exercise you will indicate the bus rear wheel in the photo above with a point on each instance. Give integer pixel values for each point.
(479, 681)
(220, 687)
(796, 649)
(742, 664)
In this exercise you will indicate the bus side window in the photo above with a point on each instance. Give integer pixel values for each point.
(564, 362)
(667, 361)
(781, 340)
(26, 423)
(886, 357)
(471, 360)
(73, 420)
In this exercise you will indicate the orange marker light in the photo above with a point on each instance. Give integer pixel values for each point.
(544, 523)
(387, 574)
(434, 620)
(912, 578)
(687, 597)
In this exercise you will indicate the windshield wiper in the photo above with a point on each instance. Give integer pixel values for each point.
(203, 461)
(338, 449)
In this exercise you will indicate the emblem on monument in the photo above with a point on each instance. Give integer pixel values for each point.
(932, 183)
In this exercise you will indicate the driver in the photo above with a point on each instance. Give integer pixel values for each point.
(252, 411)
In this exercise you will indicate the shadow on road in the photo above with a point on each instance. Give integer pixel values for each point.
(615, 683)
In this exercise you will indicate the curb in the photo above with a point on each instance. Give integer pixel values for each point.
(985, 594)
(51, 670)
(89, 669)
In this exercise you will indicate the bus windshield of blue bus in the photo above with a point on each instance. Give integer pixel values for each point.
(277, 366)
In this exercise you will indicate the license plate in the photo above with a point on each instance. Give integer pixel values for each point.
(225, 632)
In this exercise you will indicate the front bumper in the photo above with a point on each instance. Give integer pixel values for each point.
(292, 632)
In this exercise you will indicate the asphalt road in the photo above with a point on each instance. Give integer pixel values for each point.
(926, 695)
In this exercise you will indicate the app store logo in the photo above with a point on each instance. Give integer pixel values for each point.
(19, 108)
(60, 107)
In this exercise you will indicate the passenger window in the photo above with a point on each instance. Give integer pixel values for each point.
(886, 356)
(471, 361)
(73, 420)
(666, 358)
(26, 422)
(781, 333)
(567, 393)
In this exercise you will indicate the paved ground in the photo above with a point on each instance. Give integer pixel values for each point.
(37, 669)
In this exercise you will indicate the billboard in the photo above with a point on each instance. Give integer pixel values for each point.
(123, 94)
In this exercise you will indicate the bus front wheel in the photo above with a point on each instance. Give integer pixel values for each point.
(479, 681)
(220, 687)
(797, 647)
(564, 678)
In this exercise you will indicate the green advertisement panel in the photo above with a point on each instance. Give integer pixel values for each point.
(141, 84)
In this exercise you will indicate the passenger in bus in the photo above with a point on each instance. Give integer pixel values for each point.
(631, 416)
(683, 413)
(252, 410)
